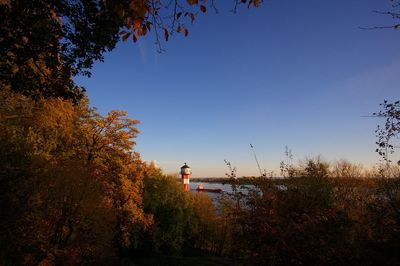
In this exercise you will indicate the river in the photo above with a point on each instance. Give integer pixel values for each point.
(226, 188)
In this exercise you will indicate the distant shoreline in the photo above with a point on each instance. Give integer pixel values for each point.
(225, 180)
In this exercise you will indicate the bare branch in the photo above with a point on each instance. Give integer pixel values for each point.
(393, 14)
(397, 26)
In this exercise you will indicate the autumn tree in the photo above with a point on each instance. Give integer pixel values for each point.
(71, 185)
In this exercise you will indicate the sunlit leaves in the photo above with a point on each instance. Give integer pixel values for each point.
(192, 2)
(136, 24)
(166, 19)
(78, 174)
(250, 3)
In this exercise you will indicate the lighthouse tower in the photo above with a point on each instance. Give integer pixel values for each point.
(185, 173)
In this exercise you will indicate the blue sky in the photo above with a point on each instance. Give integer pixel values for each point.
(296, 73)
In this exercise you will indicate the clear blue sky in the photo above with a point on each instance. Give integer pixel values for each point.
(296, 73)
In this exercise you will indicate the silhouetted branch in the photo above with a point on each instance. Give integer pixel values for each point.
(393, 14)
(397, 26)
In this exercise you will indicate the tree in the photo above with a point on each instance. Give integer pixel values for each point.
(388, 134)
(346, 169)
(183, 223)
(170, 206)
(46, 43)
(71, 187)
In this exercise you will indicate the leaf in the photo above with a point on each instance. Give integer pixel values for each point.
(186, 32)
(142, 30)
(122, 32)
(126, 36)
(192, 2)
(134, 38)
(166, 35)
(136, 24)
(203, 9)
(179, 28)
(129, 22)
(192, 17)
(178, 15)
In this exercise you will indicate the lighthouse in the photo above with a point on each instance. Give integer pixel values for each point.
(185, 173)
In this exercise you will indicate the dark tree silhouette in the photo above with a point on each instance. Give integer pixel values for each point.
(388, 134)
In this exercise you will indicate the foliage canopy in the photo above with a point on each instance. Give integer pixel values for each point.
(46, 43)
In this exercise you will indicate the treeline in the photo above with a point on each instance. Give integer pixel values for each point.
(340, 168)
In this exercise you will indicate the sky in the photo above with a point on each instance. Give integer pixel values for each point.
(290, 73)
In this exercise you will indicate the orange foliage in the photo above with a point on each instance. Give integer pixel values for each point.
(71, 183)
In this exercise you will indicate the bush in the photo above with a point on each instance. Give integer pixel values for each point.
(316, 219)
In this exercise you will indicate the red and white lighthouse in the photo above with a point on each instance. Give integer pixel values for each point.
(185, 173)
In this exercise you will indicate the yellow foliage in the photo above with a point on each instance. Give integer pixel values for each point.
(72, 176)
